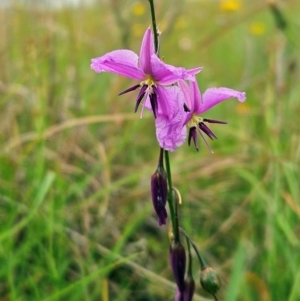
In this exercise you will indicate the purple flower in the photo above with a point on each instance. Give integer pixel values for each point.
(197, 104)
(194, 104)
(147, 68)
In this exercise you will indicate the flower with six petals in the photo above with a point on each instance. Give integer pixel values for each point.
(152, 73)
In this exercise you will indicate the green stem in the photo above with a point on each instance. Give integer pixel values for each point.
(189, 269)
(203, 264)
(170, 198)
(176, 221)
(155, 34)
(161, 158)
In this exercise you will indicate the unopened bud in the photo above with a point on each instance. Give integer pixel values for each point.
(189, 289)
(210, 280)
(178, 263)
(159, 192)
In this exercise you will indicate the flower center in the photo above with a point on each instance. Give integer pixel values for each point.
(194, 121)
(150, 82)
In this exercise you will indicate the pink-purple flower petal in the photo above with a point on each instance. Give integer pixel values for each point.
(164, 95)
(123, 62)
(166, 74)
(192, 72)
(185, 89)
(147, 49)
(214, 96)
(170, 131)
(192, 95)
(196, 96)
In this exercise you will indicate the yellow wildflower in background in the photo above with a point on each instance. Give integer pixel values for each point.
(230, 5)
(138, 9)
(257, 28)
(242, 109)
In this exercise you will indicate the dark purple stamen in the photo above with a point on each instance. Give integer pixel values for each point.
(129, 89)
(153, 101)
(202, 126)
(140, 97)
(152, 97)
(214, 121)
(193, 135)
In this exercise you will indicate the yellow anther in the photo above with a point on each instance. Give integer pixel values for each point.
(149, 81)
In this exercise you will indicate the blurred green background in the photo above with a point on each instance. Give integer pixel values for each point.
(76, 218)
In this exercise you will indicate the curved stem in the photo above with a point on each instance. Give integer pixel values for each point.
(201, 260)
(203, 264)
(189, 269)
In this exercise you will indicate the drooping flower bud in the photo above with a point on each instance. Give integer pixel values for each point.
(159, 192)
(210, 280)
(178, 263)
(189, 282)
(189, 289)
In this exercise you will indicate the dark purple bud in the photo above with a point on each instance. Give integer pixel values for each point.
(189, 289)
(178, 263)
(179, 296)
(210, 280)
(159, 192)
